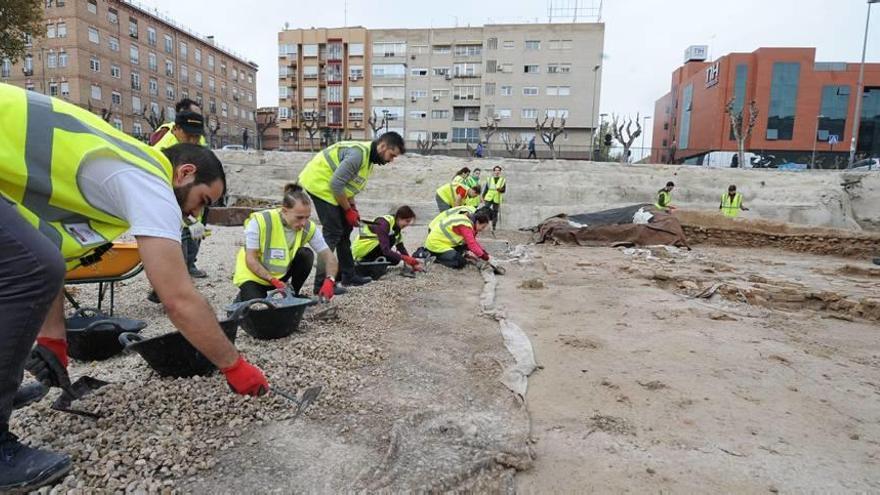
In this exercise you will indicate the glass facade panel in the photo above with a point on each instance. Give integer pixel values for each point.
(687, 101)
(739, 90)
(869, 128)
(835, 104)
(783, 100)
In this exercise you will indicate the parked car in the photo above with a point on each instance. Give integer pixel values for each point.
(866, 164)
(232, 147)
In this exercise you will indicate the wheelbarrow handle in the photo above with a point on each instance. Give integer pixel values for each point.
(129, 339)
(102, 323)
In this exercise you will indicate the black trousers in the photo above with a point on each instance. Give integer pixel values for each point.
(297, 272)
(375, 272)
(337, 234)
(496, 207)
(454, 258)
(31, 276)
(190, 248)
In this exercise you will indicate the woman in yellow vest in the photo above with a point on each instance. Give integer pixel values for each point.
(496, 186)
(275, 253)
(453, 240)
(732, 203)
(452, 195)
(462, 176)
(377, 239)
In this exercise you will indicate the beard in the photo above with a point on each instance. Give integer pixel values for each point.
(181, 193)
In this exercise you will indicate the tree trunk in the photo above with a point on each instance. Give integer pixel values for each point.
(741, 144)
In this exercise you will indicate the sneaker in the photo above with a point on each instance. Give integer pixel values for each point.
(24, 468)
(356, 280)
(28, 394)
(196, 273)
(153, 297)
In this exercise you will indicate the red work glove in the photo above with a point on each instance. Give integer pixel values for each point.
(57, 346)
(246, 379)
(414, 263)
(327, 289)
(352, 217)
(277, 283)
(485, 256)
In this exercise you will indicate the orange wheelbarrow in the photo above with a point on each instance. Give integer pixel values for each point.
(120, 262)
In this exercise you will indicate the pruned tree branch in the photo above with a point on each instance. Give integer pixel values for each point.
(550, 131)
(624, 134)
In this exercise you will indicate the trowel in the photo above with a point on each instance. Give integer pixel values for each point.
(302, 403)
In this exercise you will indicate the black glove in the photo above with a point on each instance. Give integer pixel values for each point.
(44, 365)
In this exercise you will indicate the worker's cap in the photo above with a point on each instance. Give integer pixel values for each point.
(731, 187)
(191, 122)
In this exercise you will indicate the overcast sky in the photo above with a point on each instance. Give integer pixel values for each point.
(644, 39)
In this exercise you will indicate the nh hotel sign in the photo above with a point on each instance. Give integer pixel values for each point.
(712, 74)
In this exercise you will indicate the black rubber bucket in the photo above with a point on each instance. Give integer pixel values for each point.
(280, 317)
(94, 336)
(172, 355)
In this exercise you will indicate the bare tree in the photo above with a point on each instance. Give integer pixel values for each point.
(514, 148)
(106, 113)
(213, 128)
(265, 121)
(375, 124)
(310, 122)
(549, 132)
(736, 125)
(425, 146)
(489, 127)
(623, 133)
(154, 120)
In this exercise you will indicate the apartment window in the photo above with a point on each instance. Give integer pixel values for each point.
(154, 108)
(53, 89)
(154, 86)
(112, 16)
(169, 91)
(684, 131)
(436, 94)
(94, 37)
(466, 114)
(133, 54)
(418, 93)
(169, 68)
(135, 81)
(418, 114)
(533, 45)
(115, 71)
(356, 49)
(133, 27)
(465, 134)
(558, 90)
(116, 98)
(92, 5)
(152, 62)
(552, 68)
(96, 92)
(394, 113)
(356, 72)
(182, 49)
(211, 85)
(283, 113)
(491, 66)
(507, 68)
(530, 91)
(250, 78)
(508, 45)
(310, 50)
(468, 50)
(137, 130)
(835, 102)
(388, 70)
(29, 65)
(95, 64)
(440, 114)
(198, 77)
(210, 61)
(282, 92)
(62, 29)
(489, 89)
(170, 113)
(113, 42)
(441, 49)
(388, 92)
(440, 136)
(441, 71)
(151, 36)
(310, 93)
(529, 113)
(334, 94)
(419, 49)
(51, 61)
(50, 30)
(506, 90)
(65, 89)
(492, 44)
(418, 72)
(503, 113)
(136, 104)
(466, 93)
(783, 100)
(531, 69)
(560, 113)
(62, 59)
(197, 56)
(310, 72)
(184, 73)
(356, 92)
(466, 70)
(389, 49)
(169, 44)
(356, 114)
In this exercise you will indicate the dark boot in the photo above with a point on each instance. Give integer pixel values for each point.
(24, 468)
(354, 280)
(28, 394)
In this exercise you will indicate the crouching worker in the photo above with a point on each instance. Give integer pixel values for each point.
(452, 195)
(454, 239)
(275, 253)
(377, 239)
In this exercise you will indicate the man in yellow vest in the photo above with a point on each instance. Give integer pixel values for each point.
(453, 239)
(70, 183)
(275, 253)
(495, 188)
(184, 105)
(333, 178)
(732, 203)
(664, 198)
(377, 238)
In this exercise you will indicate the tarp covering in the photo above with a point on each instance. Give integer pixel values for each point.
(613, 228)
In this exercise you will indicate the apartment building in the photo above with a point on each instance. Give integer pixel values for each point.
(130, 65)
(444, 84)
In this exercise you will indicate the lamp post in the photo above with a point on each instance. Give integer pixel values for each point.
(859, 88)
(815, 139)
(644, 127)
(385, 113)
(593, 108)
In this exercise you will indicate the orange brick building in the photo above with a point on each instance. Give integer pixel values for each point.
(801, 104)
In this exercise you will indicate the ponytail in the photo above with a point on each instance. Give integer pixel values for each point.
(293, 194)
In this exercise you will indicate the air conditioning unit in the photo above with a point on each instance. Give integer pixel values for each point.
(357, 124)
(412, 57)
(413, 99)
(352, 99)
(436, 98)
(448, 76)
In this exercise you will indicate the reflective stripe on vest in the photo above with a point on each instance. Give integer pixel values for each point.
(663, 200)
(367, 240)
(492, 193)
(442, 238)
(43, 144)
(275, 252)
(167, 142)
(464, 209)
(731, 208)
(316, 176)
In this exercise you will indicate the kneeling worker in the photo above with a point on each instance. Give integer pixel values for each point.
(454, 238)
(274, 252)
(377, 239)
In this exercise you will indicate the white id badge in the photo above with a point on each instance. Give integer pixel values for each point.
(276, 254)
(84, 234)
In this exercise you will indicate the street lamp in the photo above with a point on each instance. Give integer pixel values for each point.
(859, 88)
(593, 108)
(385, 113)
(644, 127)
(815, 139)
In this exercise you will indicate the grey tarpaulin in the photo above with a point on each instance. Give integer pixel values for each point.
(515, 377)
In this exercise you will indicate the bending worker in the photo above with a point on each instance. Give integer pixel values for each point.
(664, 198)
(275, 252)
(184, 105)
(377, 238)
(71, 183)
(451, 195)
(454, 238)
(496, 186)
(731, 203)
(333, 178)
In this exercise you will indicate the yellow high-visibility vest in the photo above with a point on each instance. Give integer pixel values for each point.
(447, 193)
(458, 210)
(169, 139)
(317, 174)
(367, 240)
(664, 199)
(275, 253)
(492, 194)
(44, 143)
(730, 208)
(442, 238)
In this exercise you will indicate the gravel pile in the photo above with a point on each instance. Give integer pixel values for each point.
(155, 432)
